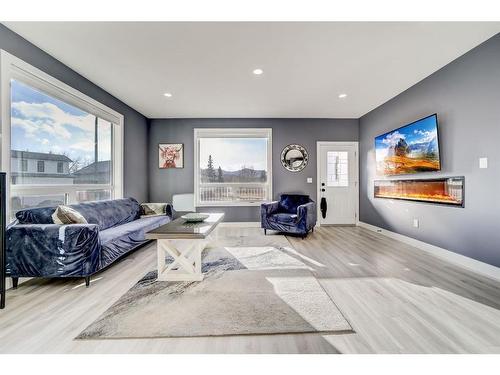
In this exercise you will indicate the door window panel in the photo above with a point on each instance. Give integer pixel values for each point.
(337, 168)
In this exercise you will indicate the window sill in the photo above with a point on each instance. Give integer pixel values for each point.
(230, 204)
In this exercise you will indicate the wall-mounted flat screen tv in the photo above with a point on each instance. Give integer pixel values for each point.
(413, 148)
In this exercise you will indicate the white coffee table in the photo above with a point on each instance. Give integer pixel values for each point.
(184, 242)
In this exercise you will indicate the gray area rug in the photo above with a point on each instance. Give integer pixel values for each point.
(253, 284)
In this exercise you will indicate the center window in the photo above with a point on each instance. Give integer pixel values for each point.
(233, 167)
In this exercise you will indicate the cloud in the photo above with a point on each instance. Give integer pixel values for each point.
(49, 128)
(57, 149)
(232, 154)
(56, 130)
(47, 117)
(392, 138)
(84, 145)
(425, 135)
(29, 127)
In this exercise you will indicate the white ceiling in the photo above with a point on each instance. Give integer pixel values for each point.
(208, 66)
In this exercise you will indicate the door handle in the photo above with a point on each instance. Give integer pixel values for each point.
(323, 207)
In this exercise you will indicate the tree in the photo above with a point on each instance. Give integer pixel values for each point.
(210, 169)
(75, 164)
(247, 174)
(263, 176)
(220, 178)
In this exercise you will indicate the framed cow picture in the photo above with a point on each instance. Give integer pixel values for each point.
(171, 155)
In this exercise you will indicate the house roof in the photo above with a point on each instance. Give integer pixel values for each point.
(103, 166)
(38, 156)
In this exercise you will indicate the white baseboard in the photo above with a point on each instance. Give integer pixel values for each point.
(474, 265)
(251, 224)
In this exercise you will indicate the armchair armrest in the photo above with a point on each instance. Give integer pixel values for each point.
(52, 250)
(148, 209)
(267, 209)
(307, 214)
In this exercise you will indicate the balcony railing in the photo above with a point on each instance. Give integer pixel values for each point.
(229, 192)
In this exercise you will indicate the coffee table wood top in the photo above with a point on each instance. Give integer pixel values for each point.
(180, 229)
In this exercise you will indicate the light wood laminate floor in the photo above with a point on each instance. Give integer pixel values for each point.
(397, 298)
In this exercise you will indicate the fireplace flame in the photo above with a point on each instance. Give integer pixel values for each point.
(446, 190)
(427, 197)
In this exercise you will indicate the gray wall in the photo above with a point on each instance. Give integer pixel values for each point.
(163, 183)
(466, 96)
(136, 131)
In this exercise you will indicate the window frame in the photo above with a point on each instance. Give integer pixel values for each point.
(11, 67)
(40, 166)
(60, 164)
(232, 133)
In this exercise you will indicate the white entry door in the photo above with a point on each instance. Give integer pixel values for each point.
(338, 182)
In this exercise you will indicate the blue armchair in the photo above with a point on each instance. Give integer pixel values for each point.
(293, 213)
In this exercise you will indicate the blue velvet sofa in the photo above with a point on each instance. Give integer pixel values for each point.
(36, 247)
(293, 213)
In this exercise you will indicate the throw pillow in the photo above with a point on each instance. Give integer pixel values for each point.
(150, 209)
(67, 215)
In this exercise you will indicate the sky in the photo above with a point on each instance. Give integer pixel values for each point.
(419, 132)
(231, 154)
(41, 123)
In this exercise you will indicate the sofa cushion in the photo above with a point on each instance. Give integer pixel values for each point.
(290, 202)
(284, 218)
(109, 213)
(143, 225)
(106, 213)
(145, 216)
(121, 239)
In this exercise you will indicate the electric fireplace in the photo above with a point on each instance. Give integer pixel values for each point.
(447, 190)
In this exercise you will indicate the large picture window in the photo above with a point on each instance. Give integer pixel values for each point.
(232, 166)
(58, 145)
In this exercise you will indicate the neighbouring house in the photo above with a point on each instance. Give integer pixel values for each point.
(95, 173)
(38, 168)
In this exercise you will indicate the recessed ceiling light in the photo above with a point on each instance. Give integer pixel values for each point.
(168, 95)
(258, 71)
(342, 96)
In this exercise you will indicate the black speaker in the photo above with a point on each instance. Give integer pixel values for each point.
(2, 239)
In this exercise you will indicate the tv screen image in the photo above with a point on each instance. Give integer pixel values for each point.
(410, 149)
